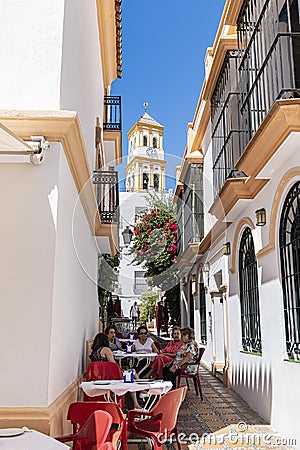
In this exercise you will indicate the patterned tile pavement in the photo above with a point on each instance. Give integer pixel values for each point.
(222, 421)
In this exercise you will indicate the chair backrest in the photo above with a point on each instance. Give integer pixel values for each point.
(79, 412)
(88, 351)
(94, 432)
(103, 370)
(135, 335)
(157, 345)
(169, 405)
(201, 351)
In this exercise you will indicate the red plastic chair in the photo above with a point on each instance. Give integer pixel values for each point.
(195, 377)
(79, 412)
(93, 434)
(162, 421)
(134, 337)
(103, 370)
(157, 345)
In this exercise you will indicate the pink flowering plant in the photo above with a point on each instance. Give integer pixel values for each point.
(155, 239)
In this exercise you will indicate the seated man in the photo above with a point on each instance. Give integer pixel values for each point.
(114, 343)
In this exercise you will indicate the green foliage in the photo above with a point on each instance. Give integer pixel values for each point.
(106, 277)
(147, 306)
(173, 304)
(155, 238)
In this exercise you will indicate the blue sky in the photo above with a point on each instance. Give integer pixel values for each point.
(164, 44)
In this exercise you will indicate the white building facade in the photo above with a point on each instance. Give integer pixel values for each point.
(145, 171)
(239, 254)
(59, 59)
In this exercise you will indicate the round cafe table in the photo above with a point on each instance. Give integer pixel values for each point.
(31, 440)
(119, 355)
(118, 387)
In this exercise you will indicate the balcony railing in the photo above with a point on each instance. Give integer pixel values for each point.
(112, 113)
(107, 194)
(265, 69)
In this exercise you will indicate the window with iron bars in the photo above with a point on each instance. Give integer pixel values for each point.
(203, 324)
(269, 67)
(140, 282)
(249, 295)
(265, 68)
(289, 244)
(225, 121)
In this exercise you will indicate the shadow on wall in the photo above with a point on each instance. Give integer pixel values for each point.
(253, 382)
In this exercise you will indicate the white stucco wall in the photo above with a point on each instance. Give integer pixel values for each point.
(48, 302)
(31, 36)
(81, 73)
(75, 303)
(50, 61)
(268, 383)
(128, 202)
(26, 271)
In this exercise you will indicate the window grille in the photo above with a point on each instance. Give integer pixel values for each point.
(140, 282)
(203, 325)
(249, 296)
(269, 38)
(289, 243)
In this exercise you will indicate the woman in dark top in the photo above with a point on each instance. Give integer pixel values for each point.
(101, 350)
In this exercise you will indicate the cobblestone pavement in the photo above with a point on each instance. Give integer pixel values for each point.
(221, 421)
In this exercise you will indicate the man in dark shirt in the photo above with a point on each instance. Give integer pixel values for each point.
(114, 343)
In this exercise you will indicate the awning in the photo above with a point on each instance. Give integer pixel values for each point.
(14, 149)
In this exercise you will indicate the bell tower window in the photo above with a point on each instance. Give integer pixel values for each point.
(145, 141)
(154, 142)
(156, 181)
(145, 181)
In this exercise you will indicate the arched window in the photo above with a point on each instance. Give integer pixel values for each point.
(145, 181)
(154, 142)
(156, 181)
(249, 296)
(145, 141)
(289, 244)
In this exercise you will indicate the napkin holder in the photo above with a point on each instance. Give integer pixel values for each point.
(128, 376)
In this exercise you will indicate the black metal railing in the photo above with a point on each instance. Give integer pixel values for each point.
(269, 48)
(107, 194)
(266, 68)
(190, 216)
(112, 113)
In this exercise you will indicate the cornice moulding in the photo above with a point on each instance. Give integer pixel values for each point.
(64, 127)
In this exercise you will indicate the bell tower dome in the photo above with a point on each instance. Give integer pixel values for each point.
(146, 165)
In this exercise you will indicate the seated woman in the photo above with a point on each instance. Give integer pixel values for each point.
(143, 344)
(187, 353)
(166, 355)
(101, 352)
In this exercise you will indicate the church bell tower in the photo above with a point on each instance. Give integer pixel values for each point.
(146, 165)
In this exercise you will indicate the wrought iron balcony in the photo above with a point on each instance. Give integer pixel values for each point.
(190, 215)
(112, 113)
(107, 194)
(266, 68)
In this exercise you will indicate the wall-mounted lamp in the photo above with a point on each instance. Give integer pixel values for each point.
(261, 217)
(226, 249)
(206, 267)
(194, 285)
(127, 236)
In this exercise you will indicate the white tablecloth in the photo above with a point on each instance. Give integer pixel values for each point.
(31, 440)
(120, 388)
(120, 355)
